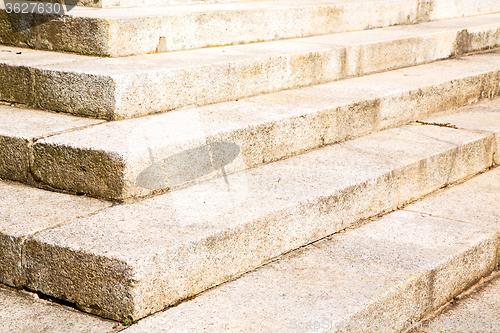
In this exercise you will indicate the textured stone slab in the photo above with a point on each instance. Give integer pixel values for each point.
(474, 312)
(124, 32)
(115, 88)
(137, 157)
(20, 127)
(395, 270)
(134, 259)
(25, 312)
(127, 31)
(475, 201)
(482, 117)
(26, 211)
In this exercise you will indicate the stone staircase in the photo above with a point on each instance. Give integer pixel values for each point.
(178, 171)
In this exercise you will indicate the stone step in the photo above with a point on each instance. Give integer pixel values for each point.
(472, 312)
(117, 88)
(131, 260)
(385, 276)
(137, 157)
(133, 31)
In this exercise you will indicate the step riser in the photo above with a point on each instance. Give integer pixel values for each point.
(128, 36)
(93, 92)
(119, 291)
(120, 176)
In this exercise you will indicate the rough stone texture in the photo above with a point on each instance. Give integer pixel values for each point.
(115, 88)
(134, 259)
(20, 127)
(127, 31)
(474, 312)
(484, 117)
(137, 157)
(397, 269)
(26, 211)
(25, 313)
(446, 9)
(475, 201)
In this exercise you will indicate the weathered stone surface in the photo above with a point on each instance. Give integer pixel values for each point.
(26, 211)
(20, 127)
(116, 88)
(483, 117)
(134, 259)
(395, 270)
(25, 312)
(475, 201)
(127, 31)
(137, 157)
(475, 311)
(446, 9)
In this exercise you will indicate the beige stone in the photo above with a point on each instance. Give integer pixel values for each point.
(397, 269)
(20, 127)
(26, 211)
(475, 201)
(149, 29)
(134, 259)
(25, 312)
(474, 311)
(127, 31)
(116, 88)
(136, 157)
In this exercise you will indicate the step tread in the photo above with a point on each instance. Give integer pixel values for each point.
(24, 123)
(144, 255)
(115, 88)
(252, 131)
(396, 269)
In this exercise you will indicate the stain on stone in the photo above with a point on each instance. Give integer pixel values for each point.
(162, 45)
(425, 7)
(463, 42)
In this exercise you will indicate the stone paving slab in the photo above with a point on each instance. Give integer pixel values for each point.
(392, 271)
(137, 157)
(132, 260)
(23, 312)
(20, 127)
(117, 88)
